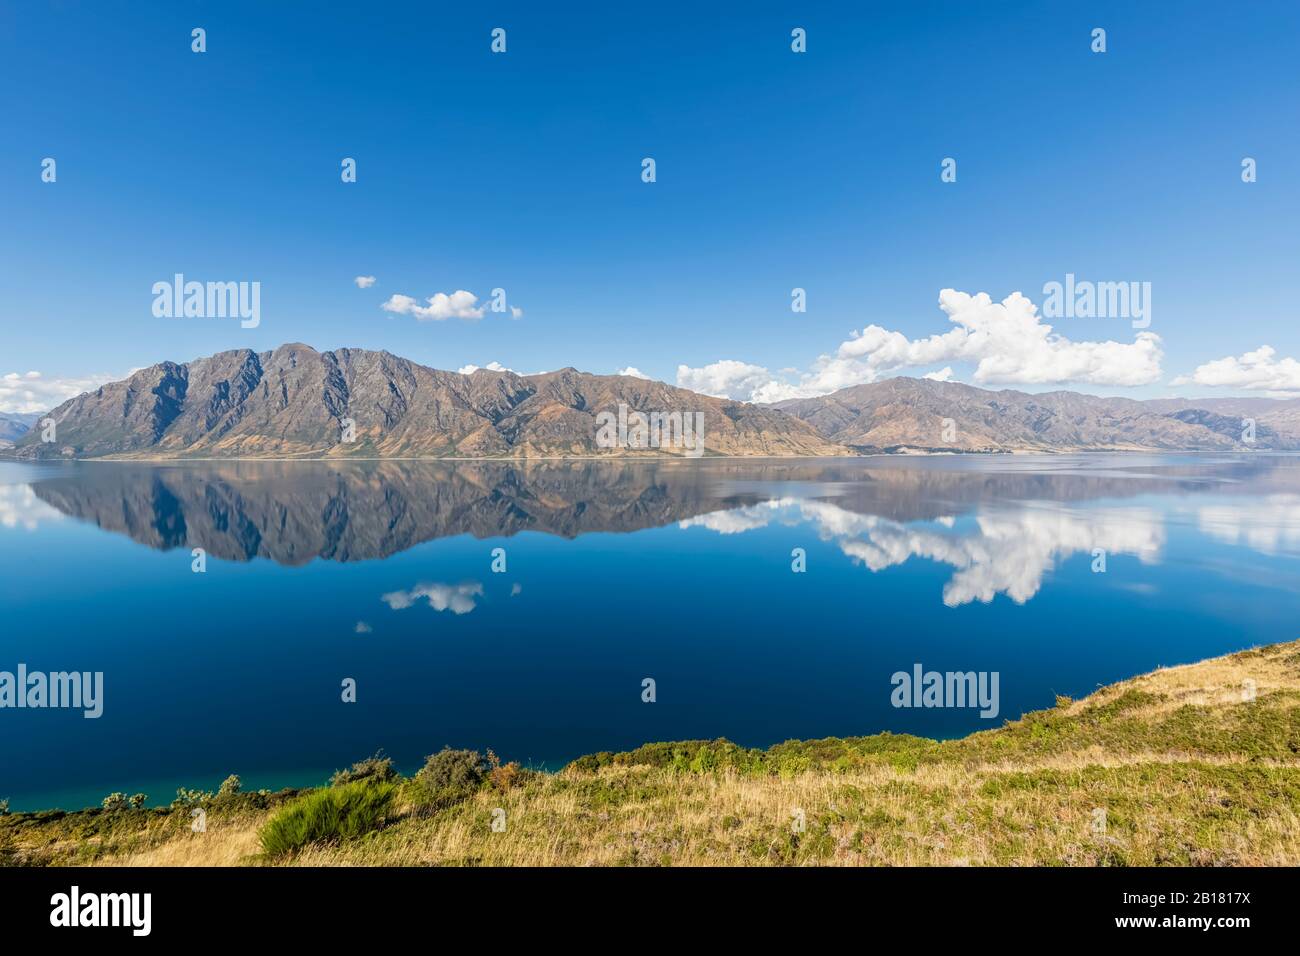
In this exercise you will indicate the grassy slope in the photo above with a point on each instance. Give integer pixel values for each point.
(1187, 771)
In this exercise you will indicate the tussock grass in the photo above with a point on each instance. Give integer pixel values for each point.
(330, 815)
(1195, 765)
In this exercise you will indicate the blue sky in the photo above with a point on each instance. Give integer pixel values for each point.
(775, 170)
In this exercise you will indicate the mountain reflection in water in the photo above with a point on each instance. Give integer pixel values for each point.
(999, 523)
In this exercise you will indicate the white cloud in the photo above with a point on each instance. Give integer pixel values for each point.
(632, 372)
(1255, 371)
(943, 375)
(516, 312)
(458, 598)
(364, 282)
(459, 305)
(489, 367)
(727, 379)
(29, 392)
(1006, 341)
(363, 628)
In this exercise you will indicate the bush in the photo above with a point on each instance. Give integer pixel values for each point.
(230, 786)
(377, 768)
(507, 776)
(191, 798)
(449, 777)
(120, 801)
(4, 808)
(328, 816)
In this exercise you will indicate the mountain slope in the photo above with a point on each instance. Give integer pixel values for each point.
(13, 425)
(294, 402)
(908, 413)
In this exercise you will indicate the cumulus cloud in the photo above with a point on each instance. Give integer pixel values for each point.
(459, 305)
(632, 372)
(457, 598)
(494, 367)
(489, 367)
(1259, 370)
(729, 379)
(1007, 343)
(943, 375)
(364, 282)
(31, 392)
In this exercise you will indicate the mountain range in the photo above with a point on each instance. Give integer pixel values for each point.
(900, 414)
(13, 425)
(296, 402)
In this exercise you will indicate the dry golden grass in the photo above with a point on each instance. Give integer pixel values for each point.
(1187, 765)
(227, 842)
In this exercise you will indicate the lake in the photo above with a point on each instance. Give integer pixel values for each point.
(1056, 573)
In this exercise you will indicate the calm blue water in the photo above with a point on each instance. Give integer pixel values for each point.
(679, 571)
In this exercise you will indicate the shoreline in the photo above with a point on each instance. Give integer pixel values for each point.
(1015, 453)
(1175, 767)
(306, 780)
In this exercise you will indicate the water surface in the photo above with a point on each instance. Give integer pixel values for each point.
(615, 572)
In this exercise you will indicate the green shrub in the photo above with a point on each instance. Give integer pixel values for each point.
(449, 777)
(377, 768)
(230, 786)
(4, 808)
(328, 816)
(191, 798)
(120, 801)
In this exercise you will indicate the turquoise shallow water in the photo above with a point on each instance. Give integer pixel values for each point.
(614, 572)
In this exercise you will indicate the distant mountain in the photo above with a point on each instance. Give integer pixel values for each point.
(1279, 415)
(901, 414)
(294, 402)
(13, 425)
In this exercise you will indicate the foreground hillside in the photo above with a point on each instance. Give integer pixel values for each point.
(1194, 765)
